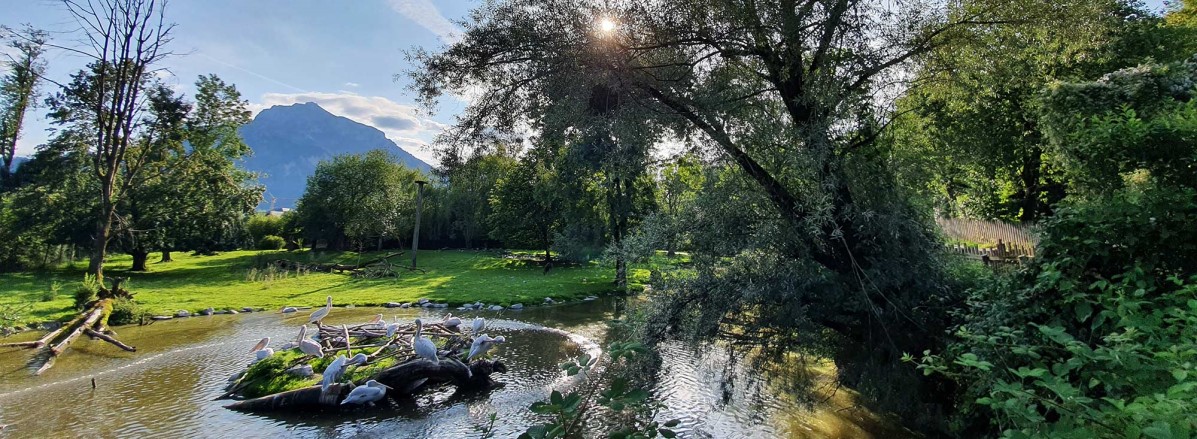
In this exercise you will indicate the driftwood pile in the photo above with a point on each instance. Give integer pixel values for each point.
(410, 375)
(93, 322)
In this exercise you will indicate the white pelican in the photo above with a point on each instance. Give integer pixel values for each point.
(307, 346)
(481, 344)
(479, 324)
(261, 345)
(360, 358)
(422, 345)
(321, 313)
(367, 394)
(332, 373)
(393, 328)
(451, 322)
(263, 354)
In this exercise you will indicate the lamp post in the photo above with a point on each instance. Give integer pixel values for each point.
(415, 234)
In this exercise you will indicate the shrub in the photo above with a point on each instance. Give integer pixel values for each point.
(1098, 337)
(261, 226)
(271, 242)
(86, 292)
(51, 291)
(126, 311)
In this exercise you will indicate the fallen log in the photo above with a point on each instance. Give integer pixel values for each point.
(96, 334)
(90, 318)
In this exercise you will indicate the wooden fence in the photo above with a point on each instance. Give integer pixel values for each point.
(989, 240)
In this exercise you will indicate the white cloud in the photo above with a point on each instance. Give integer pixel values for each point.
(425, 14)
(401, 123)
(352, 84)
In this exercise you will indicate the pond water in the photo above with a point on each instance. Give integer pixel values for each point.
(167, 387)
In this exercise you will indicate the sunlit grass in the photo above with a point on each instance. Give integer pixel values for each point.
(222, 282)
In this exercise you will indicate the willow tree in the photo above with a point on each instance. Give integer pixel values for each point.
(791, 92)
(124, 40)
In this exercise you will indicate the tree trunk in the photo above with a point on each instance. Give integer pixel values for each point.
(166, 256)
(99, 249)
(140, 256)
(1029, 205)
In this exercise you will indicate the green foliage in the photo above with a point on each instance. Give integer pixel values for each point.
(269, 375)
(1141, 120)
(359, 198)
(260, 226)
(51, 291)
(86, 292)
(1098, 338)
(271, 242)
(127, 312)
(525, 204)
(629, 404)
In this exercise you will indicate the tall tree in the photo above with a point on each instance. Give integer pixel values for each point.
(783, 89)
(354, 198)
(18, 91)
(125, 39)
(976, 116)
(526, 205)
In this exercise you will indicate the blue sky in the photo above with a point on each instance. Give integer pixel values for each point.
(341, 54)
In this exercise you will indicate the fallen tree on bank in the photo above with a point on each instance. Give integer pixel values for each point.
(93, 321)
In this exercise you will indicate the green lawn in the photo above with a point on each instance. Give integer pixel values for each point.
(221, 281)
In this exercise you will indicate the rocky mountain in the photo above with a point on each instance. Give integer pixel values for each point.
(289, 140)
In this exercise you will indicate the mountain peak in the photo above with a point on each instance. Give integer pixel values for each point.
(289, 140)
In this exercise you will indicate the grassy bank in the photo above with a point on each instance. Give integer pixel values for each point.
(225, 281)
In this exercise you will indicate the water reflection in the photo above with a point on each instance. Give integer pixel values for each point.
(167, 387)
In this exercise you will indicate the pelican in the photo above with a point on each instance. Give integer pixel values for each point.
(264, 354)
(367, 394)
(451, 322)
(481, 344)
(422, 345)
(321, 313)
(360, 358)
(479, 324)
(393, 328)
(261, 345)
(332, 373)
(307, 346)
(377, 319)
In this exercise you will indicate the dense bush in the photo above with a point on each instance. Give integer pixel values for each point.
(271, 242)
(261, 226)
(1098, 338)
(86, 292)
(126, 312)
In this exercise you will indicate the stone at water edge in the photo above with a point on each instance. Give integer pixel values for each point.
(549, 300)
(289, 309)
(517, 306)
(392, 305)
(590, 298)
(232, 311)
(183, 313)
(208, 311)
(496, 307)
(247, 309)
(161, 318)
(422, 301)
(405, 305)
(442, 305)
